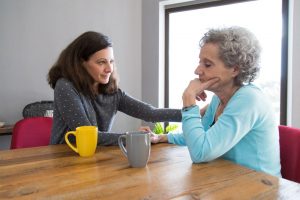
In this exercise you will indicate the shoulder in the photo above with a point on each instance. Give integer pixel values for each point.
(64, 87)
(249, 106)
(250, 89)
(250, 93)
(249, 98)
(121, 93)
(63, 83)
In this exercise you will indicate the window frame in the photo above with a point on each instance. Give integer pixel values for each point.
(284, 48)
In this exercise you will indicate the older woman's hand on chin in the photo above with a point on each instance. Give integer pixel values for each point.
(196, 91)
(155, 138)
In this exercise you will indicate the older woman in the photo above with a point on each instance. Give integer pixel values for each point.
(238, 124)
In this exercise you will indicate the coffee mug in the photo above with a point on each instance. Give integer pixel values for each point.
(86, 140)
(138, 146)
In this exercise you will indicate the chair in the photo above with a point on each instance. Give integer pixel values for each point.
(31, 132)
(37, 109)
(289, 140)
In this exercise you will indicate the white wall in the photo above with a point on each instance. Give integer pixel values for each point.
(152, 55)
(33, 33)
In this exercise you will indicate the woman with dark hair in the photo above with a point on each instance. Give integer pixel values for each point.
(86, 91)
(238, 124)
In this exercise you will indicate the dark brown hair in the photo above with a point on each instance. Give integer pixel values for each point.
(70, 64)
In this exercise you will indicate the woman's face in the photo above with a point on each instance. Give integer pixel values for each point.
(100, 65)
(211, 66)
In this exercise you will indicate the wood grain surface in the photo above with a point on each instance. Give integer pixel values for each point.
(56, 172)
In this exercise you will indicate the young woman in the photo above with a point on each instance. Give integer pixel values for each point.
(86, 91)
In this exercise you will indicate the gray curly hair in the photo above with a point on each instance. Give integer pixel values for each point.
(237, 47)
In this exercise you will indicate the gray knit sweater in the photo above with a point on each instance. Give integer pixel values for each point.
(73, 109)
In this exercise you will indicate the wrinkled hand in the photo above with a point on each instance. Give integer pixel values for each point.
(202, 96)
(195, 91)
(197, 87)
(153, 137)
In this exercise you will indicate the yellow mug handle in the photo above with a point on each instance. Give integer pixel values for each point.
(68, 142)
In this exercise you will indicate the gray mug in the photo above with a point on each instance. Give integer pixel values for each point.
(138, 146)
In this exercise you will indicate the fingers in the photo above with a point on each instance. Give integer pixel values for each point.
(145, 129)
(206, 85)
(196, 90)
(210, 82)
(158, 138)
(202, 96)
(154, 138)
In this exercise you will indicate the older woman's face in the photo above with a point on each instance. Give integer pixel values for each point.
(211, 66)
(100, 65)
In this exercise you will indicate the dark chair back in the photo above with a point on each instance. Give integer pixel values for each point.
(37, 109)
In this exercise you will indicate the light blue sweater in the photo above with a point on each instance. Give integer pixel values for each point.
(245, 133)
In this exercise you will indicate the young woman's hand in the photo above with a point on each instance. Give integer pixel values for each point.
(145, 129)
(155, 138)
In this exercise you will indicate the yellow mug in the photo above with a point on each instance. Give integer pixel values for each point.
(86, 140)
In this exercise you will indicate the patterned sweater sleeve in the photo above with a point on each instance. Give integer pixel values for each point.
(147, 112)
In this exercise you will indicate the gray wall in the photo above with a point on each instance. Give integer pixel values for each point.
(33, 33)
(294, 64)
(152, 55)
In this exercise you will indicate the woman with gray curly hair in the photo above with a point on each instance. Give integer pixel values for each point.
(238, 124)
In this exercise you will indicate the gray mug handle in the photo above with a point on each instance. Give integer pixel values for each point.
(121, 145)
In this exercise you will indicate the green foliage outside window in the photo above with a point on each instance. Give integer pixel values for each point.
(159, 129)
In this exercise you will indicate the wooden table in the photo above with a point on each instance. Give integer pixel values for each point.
(56, 172)
(6, 129)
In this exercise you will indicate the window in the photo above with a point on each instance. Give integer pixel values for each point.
(262, 17)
